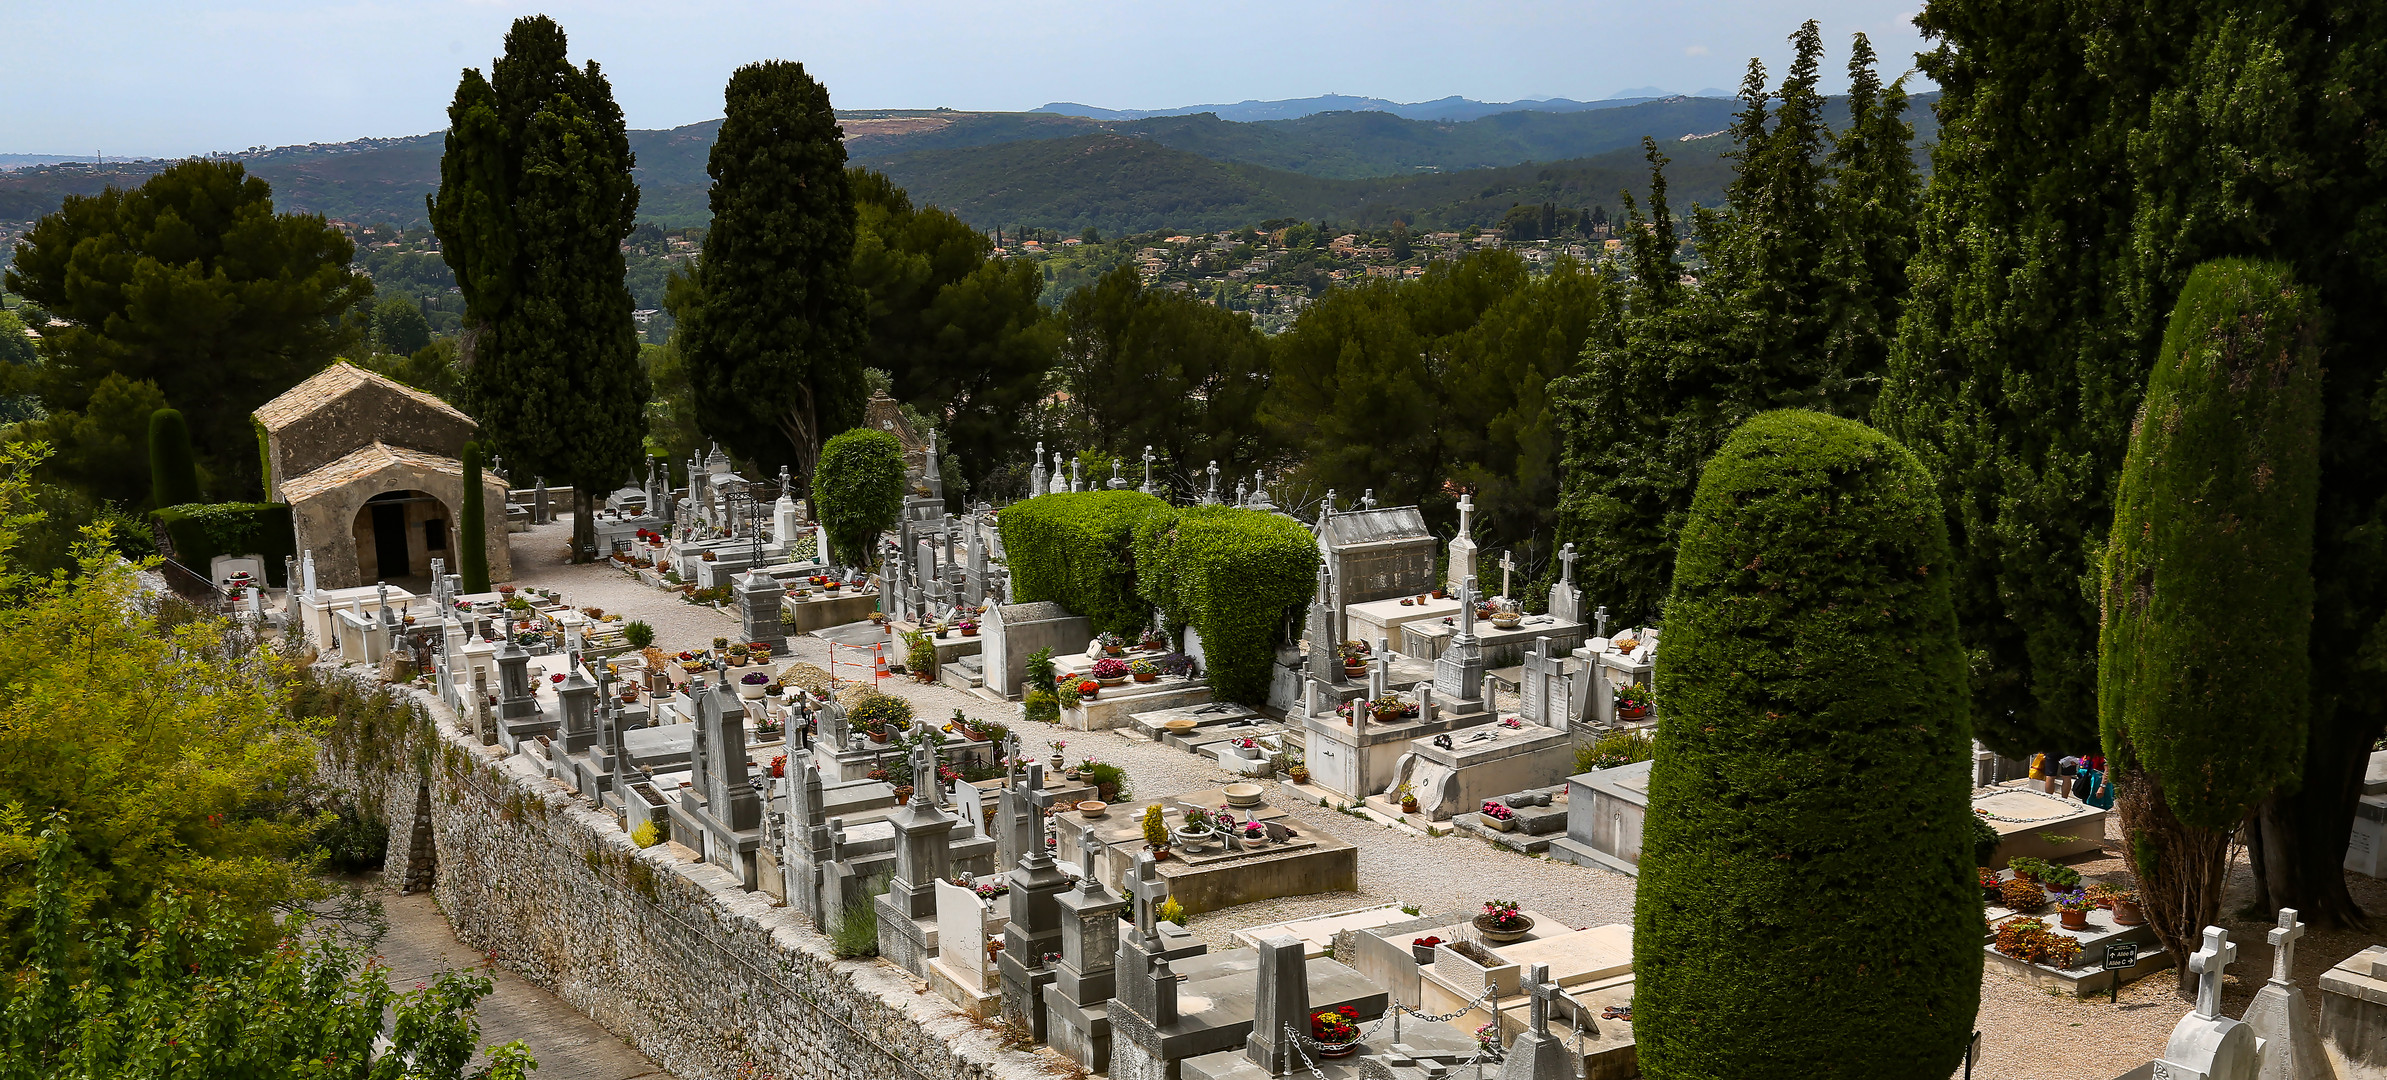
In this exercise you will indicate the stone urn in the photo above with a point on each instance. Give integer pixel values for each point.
(1194, 837)
(1518, 927)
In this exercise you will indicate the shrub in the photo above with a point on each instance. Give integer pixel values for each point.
(1040, 671)
(1042, 706)
(646, 835)
(638, 634)
(856, 932)
(879, 711)
(1067, 697)
(2023, 896)
(857, 491)
(1985, 841)
(1172, 911)
(1076, 549)
(1615, 748)
(2030, 940)
(1815, 704)
(352, 842)
(1156, 827)
(1233, 575)
(202, 531)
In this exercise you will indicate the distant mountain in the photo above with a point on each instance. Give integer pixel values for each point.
(19, 161)
(1449, 108)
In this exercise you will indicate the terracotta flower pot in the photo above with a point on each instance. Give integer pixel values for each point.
(2128, 914)
(1298, 776)
(1409, 806)
(2075, 920)
(1144, 677)
(1113, 681)
(1113, 650)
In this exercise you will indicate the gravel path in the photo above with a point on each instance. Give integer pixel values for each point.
(2027, 1033)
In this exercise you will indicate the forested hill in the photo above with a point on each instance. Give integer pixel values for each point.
(1068, 172)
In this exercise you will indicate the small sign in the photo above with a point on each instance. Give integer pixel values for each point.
(2121, 955)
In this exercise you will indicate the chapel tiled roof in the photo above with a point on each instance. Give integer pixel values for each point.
(361, 463)
(332, 383)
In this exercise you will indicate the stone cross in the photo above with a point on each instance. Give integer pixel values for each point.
(1508, 567)
(1601, 617)
(1566, 560)
(1148, 460)
(2209, 963)
(1212, 498)
(1089, 859)
(1327, 508)
(1466, 513)
(1367, 501)
(1040, 803)
(1116, 484)
(1242, 497)
(1467, 598)
(1538, 984)
(1073, 481)
(1036, 481)
(1146, 887)
(1011, 759)
(924, 776)
(2283, 942)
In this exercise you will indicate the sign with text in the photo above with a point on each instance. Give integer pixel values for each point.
(2121, 955)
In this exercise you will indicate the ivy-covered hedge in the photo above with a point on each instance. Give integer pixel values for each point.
(1076, 549)
(1232, 575)
(1808, 904)
(202, 531)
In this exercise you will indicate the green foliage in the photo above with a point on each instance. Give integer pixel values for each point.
(772, 333)
(638, 634)
(857, 492)
(1040, 672)
(1156, 828)
(1233, 575)
(399, 326)
(1800, 271)
(1042, 706)
(1171, 911)
(1985, 841)
(472, 525)
(96, 998)
(202, 531)
(1147, 367)
(103, 447)
(173, 473)
(964, 338)
(1076, 549)
(856, 930)
(352, 840)
(647, 834)
(1615, 748)
(535, 198)
(919, 654)
(192, 284)
(434, 369)
(1814, 692)
(879, 711)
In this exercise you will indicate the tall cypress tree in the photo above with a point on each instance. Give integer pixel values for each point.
(773, 339)
(173, 472)
(2086, 165)
(535, 198)
(472, 525)
(2203, 670)
(1871, 210)
(1810, 770)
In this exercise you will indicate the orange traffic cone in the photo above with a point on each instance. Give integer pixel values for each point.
(878, 669)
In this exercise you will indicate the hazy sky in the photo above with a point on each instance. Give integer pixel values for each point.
(172, 77)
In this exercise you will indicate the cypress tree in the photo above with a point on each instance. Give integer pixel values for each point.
(535, 198)
(1810, 774)
(857, 492)
(173, 473)
(2203, 671)
(472, 525)
(773, 337)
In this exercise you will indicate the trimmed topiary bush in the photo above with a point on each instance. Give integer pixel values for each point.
(2203, 673)
(173, 470)
(857, 492)
(1808, 903)
(1077, 550)
(472, 526)
(1232, 575)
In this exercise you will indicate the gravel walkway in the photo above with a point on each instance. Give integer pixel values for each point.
(2027, 1033)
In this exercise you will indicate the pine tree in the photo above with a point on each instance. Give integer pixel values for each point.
(173, 474)
(535, 198)
(472, 525)
(1871, 210)
(2204, 672)
(773, 340)
(1810, 770)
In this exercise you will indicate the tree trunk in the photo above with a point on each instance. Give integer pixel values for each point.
(584, 524)
(2181, 869)
(2298, 841)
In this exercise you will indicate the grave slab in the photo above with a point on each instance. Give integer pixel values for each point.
(2031, 822)
(1115, 704)
(1159, 722)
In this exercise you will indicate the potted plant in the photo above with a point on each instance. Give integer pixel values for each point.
(1110, 672)
(1423, 949)
(1336, 1032)
(1297, 771)
(1196, 832)
(750, 685)
(1154, 641)
(2073, 908)
(1497, 815)
(708, 557)
(1112, 644)
(1407, 794)
(737, 655)
(1156, 829)
(1505, 615)
(1254, 834)
(2023, 895)
(1502, 923)
(1087, 690)
(1058, 745)
(1143, 670)
(1355, 658)
(1990, 885)
(2123, 902)
(968, 627)
(1177, 665)
(1387, 708)
(1632, 702)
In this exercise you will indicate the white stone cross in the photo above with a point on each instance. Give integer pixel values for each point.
(1367, 500)
(1466, 512)
(1538, 984)
(1508, 566)
(924, 776)
(1213, 471)
(1040, 802)
(1601, 616)
(1147, 889)
(1566, 558)
(2283, 942)
(1073, 481)
(2209, 963)
(1148, 460)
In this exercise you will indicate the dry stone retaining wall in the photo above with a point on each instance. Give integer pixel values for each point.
(704, 978)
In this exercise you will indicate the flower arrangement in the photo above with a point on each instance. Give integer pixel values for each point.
(967, 626)
(1110, 642)
(1253, 830)
(1335, 1027)
(1388, 707)
(1107, 668)
(1059, 745)
(755, 679)
(1502, 914)
(1145, 668)
(1196, 819)
(1512, 723)
(2023, 896)
(1497, 811)
(1487, 1037)
(555, 678)
(988, 890)
(1154, 639)
(2073, 901)
(738, 649)
(1990, 884)
(758, 650)
(2031, 940)
(1429, 941)
(1177, 665)
(1632, 696)
(1354, 651)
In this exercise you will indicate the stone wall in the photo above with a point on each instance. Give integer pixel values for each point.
(668, 954)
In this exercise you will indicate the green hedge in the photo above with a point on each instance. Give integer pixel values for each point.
(1076, 549)
(1807, 903)
(1232, 575)
(202, 531)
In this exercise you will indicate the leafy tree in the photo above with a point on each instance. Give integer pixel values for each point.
(173, 476)
(181, 996)
(1499, 431)
(965, 339)
(102, 448)
(1809, 768)
(2087, 166)
(535, 197)
(1147, 367)
(773, 335)
(857, 492)
(2204, 673)
(192, 284)
(472, 525)
(1797, 277)
(433, 369)
(399, 326)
